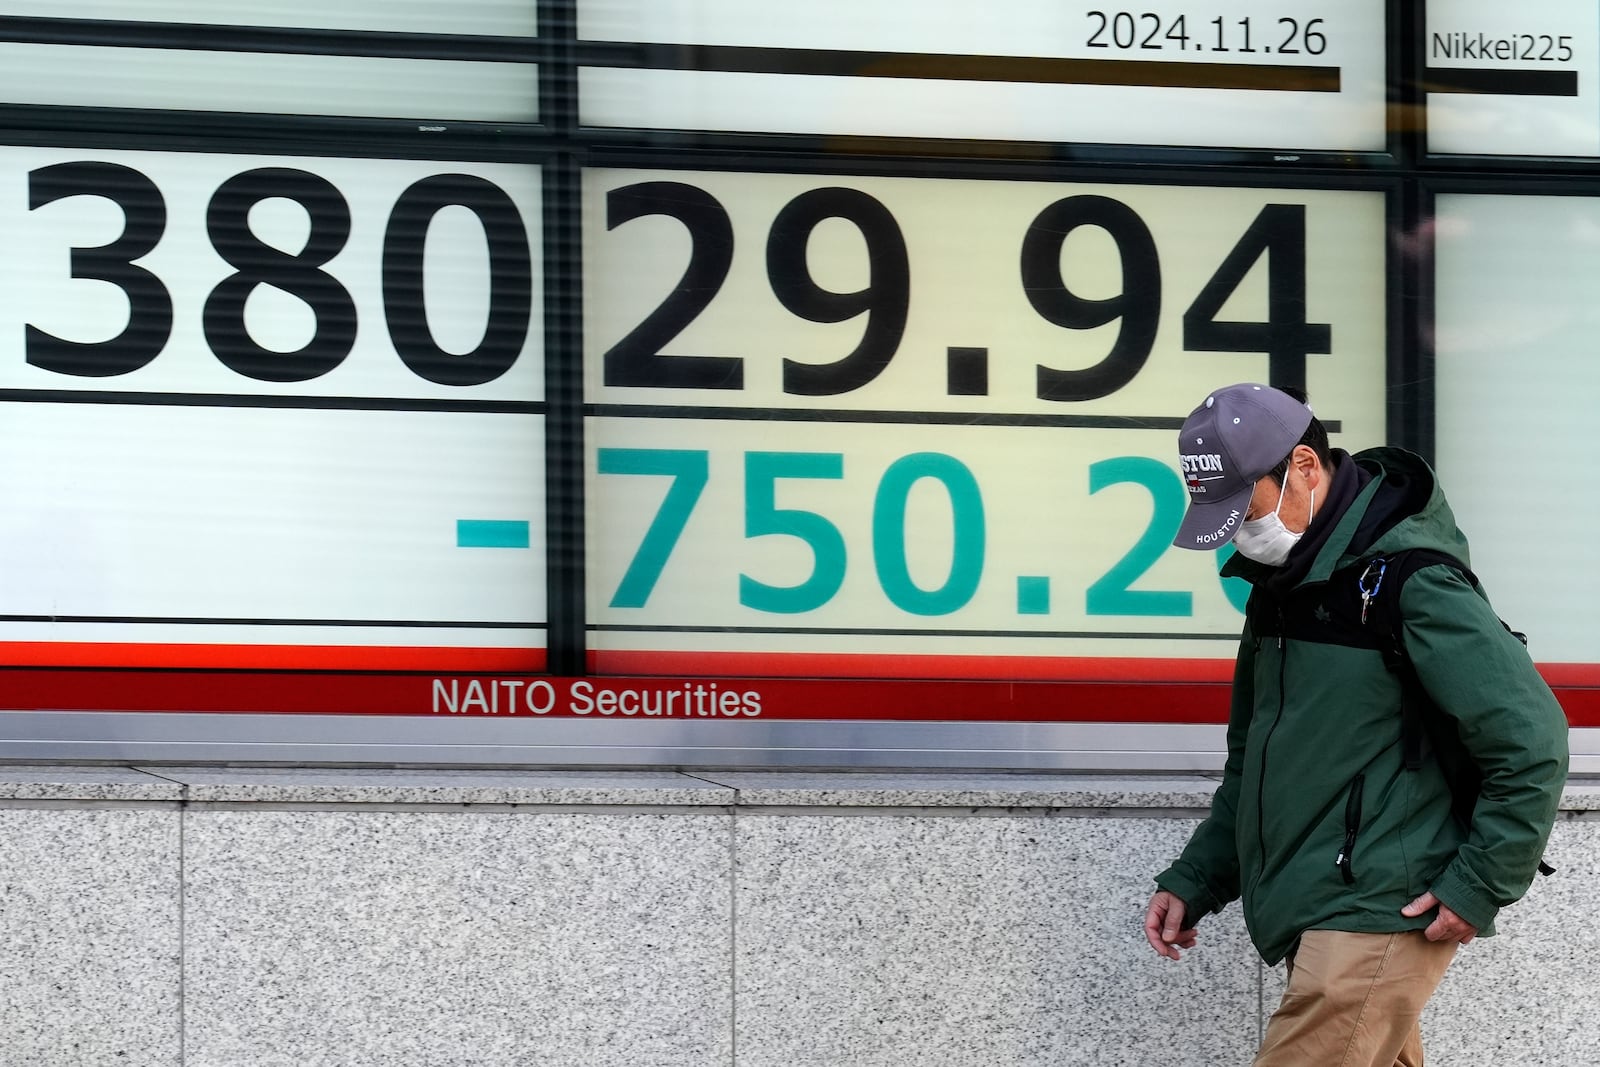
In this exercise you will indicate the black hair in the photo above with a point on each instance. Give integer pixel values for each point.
(1315, 438)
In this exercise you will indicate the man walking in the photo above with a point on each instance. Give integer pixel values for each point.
(1339, 822)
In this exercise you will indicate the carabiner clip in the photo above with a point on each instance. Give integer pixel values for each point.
(1377, 583)
(1377, 580)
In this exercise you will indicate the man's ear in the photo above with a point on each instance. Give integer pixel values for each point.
(1310, 467)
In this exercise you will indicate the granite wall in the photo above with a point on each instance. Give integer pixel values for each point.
(213, 917)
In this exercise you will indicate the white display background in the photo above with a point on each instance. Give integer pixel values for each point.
(1352, 119)
(189, 507)
(517, 18)
(36, 274)
(1518, 385)
(247, 514)
(268, 83)
(1040, 517)
(964, 242)
(1497, 124)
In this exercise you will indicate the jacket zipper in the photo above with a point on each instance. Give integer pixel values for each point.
(1261, 782)
(1352, 823)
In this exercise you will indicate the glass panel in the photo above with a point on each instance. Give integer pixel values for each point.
(509, 18)
(423, 89)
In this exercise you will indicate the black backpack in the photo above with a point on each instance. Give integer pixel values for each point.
(1359, 606)
(1424, 728)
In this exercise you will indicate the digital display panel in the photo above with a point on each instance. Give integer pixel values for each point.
(437, 90)
(1512, 79)
(1230, 74)
(471, 62)
(266, 403)
(511, 18)
(1516, 388)
(930, 424)
(750, 384)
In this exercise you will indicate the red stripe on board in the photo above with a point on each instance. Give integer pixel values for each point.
(847, 665)
(524, 696)
(1581, 705)
(1571, 675)
(617, 699)
(271, 657)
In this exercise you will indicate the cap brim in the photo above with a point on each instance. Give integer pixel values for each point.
(1212, 524)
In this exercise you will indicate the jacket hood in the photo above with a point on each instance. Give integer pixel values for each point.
(1405, 509)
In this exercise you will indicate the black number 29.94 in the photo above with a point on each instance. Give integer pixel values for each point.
(1276, 235)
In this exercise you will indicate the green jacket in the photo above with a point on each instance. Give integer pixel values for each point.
(1312, 721)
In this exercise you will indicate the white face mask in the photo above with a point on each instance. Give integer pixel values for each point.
(1267, 540)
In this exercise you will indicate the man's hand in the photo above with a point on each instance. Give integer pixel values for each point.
(1447, 927)
(1163, 925)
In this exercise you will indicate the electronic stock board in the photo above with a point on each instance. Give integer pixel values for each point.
(734, 382)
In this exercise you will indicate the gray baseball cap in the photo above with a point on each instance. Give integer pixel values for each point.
(1235, 436)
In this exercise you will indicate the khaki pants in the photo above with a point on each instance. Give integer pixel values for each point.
(1354, 1000)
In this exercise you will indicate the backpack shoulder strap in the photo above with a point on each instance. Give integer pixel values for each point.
(1382, 579)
